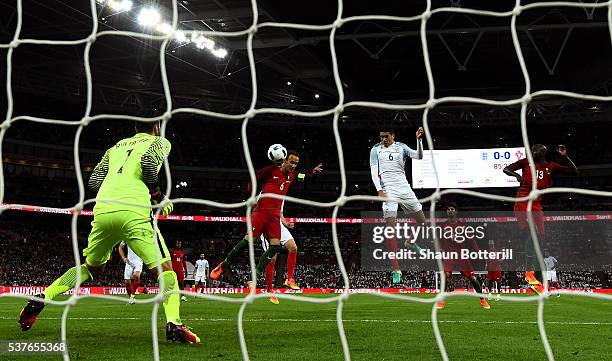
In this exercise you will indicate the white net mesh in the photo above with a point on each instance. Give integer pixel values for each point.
(336, 112)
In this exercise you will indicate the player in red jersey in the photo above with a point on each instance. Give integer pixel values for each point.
(265, 219)
(544, 172)
(494, 271)
(288, 242)
(179, 265)
(454, 245)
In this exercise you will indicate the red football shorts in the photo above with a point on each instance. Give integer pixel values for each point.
(462, 265)
(494, 275)
(180, 274)
(266, 224)
(520, 212)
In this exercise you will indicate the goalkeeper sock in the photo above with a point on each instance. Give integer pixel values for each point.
(236, 251)
(270, 275)
(291, 259)
(267, 257)
(172, 302)
(66, 282)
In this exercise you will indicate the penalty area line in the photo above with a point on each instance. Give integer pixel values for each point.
(323, 320)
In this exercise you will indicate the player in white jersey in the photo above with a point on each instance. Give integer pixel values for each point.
(132, 271)
(201, 269)
(387, 166)
(551, 272)
(287, 241)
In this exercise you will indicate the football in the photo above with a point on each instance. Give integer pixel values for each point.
(277, 153)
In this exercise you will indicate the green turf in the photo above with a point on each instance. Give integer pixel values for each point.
(578, 328)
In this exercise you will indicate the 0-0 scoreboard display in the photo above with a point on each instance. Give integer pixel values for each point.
(465, 168)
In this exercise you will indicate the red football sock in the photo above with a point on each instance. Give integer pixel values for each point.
(128, 288)
(270, 275)
(135, 285)
(291, 259)
(392, 246)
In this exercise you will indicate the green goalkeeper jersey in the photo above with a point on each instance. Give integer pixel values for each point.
(127, 171)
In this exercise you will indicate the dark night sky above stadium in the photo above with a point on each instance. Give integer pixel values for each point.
(471, 55)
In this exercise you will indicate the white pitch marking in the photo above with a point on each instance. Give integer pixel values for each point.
(320, 320)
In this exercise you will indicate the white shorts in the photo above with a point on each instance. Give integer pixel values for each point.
(200, 278)
(285, 237)
(409, 203)
(551, 276)
(136, 266)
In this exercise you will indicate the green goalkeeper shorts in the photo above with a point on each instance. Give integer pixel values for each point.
(109, 229)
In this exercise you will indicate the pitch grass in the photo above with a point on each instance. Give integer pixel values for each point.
(578, 328)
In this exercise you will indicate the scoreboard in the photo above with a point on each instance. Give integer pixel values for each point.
(466, 168)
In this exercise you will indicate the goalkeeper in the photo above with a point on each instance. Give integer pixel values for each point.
(128, 172)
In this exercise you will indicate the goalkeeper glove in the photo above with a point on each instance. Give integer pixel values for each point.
(157, 197)
(168, 208)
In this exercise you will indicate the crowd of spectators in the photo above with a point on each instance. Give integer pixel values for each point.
(37, 248)
(40, 157)
(195, 148)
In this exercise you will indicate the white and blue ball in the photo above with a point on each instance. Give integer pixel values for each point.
(277, 153)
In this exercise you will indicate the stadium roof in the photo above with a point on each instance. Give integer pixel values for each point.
(471, 55)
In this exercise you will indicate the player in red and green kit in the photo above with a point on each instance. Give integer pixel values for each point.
(265, 219)
(453, 245)
(494, 273)
(544, 172)
(128, 172)
(179, 266)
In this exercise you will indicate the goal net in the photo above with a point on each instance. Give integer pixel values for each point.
(336, 111)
